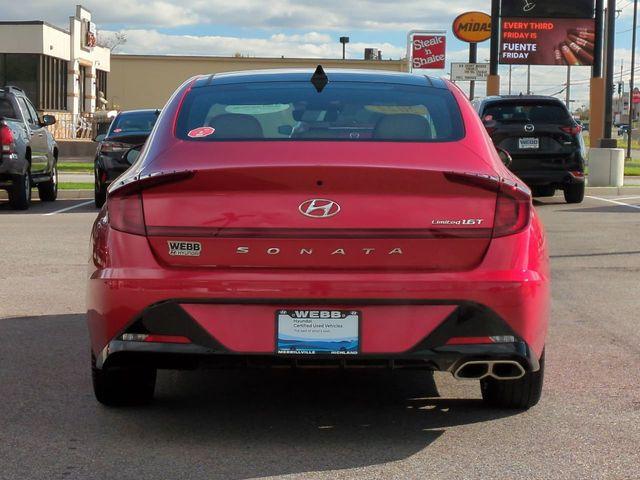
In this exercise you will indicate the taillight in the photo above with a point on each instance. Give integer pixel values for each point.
(572, 129)
(113, 147)
(513, 210)
(513, 202)
(7, 140)
(126, 214)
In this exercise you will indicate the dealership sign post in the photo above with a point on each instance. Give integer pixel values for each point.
(426, 50)
(472, 27)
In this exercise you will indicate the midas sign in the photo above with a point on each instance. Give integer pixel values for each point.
(472, 27)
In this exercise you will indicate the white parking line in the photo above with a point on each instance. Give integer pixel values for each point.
(67, 208)
(628, 198)
(637, 207)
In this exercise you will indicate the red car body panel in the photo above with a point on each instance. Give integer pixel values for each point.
(248, 199)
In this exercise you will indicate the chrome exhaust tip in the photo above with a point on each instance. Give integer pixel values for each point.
(498, 369)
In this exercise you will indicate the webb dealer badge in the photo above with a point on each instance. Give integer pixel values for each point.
(184, 249)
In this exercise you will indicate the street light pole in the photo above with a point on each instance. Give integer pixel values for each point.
(344, 41)
(633, 68)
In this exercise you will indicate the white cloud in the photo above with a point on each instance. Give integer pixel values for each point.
(311, 45)
(334, 15)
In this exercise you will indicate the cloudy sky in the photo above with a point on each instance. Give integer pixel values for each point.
(300, 28)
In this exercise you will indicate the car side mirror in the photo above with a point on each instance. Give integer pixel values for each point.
(131, 155)
(100, 137)
(505, 157)
(47, 120)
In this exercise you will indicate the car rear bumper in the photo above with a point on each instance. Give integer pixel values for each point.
(446, 358)
(407, 317)
(557, 178)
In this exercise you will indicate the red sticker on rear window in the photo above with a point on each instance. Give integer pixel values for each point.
(201, 132)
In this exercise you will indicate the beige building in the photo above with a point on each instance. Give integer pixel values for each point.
(147, 81)
(60, 70)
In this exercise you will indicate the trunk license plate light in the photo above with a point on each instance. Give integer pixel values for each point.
(317, 332)
(528, 143)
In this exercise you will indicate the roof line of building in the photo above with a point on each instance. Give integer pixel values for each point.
(36, 22)
(248, 59)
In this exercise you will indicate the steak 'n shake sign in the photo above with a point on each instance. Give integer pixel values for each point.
(426, 50)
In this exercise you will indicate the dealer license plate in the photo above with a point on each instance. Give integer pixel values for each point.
(528, 143)
(318, 332)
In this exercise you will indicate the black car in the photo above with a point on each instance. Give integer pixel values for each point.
(623, 130)
(128, 129)
(543, 139)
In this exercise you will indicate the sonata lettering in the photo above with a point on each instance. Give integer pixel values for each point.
(243, 250)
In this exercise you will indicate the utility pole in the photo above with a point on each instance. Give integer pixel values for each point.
(528, 79)
(473, 58)
(568, 89)
(510, 78)
(633, 68)
(493, 80)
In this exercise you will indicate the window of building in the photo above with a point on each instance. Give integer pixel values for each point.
(101, 83)
(52, 83)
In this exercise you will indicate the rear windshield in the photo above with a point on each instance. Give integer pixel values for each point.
(290, 111)
(527, 112)
(133, 122)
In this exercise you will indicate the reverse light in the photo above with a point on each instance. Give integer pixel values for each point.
(481, 340)
(151, 338)
(125, 213)
(6, 140)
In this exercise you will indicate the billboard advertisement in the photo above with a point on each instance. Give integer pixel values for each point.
(427, 50)
(547, 41)
(548, 8)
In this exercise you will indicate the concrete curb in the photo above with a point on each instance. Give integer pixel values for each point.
(62, 195)
(631, 190)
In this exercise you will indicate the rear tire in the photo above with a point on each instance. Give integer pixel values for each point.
(543, 191)
(48, 191)
(520, 394)
(123, 386)
(574, 193)
(99, 189)
(20, 191)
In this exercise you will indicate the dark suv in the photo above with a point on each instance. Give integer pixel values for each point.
(543, 139)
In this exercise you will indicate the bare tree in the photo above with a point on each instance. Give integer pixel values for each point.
(111, 40)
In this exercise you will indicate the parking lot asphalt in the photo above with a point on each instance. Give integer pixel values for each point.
(322, 424)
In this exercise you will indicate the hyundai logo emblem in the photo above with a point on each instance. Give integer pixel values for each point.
(319, 208)
(529, 127)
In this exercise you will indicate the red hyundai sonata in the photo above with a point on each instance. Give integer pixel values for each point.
(300, 218)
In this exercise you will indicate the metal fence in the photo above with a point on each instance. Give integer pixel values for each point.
(69, 125)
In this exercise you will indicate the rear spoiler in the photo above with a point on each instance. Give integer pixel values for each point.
(129, 185)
